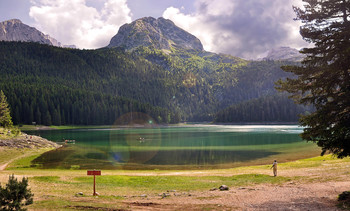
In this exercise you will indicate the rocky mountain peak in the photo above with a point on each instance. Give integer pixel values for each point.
(15, 30)
(13, 21)
(160, 33)
(284, 54)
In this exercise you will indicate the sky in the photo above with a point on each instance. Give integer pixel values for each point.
(243, 28)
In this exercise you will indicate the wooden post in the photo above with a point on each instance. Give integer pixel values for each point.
(94, 185)
(94, 173)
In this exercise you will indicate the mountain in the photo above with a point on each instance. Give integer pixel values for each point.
(15, 30)
(284, 54)
(159, 33)
(157, 69)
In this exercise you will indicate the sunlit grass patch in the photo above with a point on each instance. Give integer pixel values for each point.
(47, 178)
(314, 162)
(181, 183)
(6, 133)
(10, 153)
(26, 161)
(247, 179)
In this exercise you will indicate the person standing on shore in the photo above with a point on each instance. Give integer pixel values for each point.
(274, 166)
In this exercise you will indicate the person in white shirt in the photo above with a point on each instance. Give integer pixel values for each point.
(274, 166)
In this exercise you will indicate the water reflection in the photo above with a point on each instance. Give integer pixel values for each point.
(172, 147)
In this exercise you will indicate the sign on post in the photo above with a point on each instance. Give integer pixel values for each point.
(95, 173)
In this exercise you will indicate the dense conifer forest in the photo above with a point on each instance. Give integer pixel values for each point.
(263, 110)
(50, 85)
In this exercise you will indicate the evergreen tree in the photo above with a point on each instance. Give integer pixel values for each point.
(47, 119)
(324, 76)
(15, 194)
(5, 117)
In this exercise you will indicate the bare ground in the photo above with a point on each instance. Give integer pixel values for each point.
(316, 196)
(318, 189)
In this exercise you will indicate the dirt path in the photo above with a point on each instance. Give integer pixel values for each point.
(3, 166)
(316, 196)
(312, 197)
(24, 141)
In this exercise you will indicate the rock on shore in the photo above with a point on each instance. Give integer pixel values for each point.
(28, 141)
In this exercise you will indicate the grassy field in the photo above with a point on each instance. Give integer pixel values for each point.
(57, 188)
(62, 127)
(8, 133)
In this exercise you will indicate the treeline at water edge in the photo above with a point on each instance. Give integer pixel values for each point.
(276, 108)
(62, 106)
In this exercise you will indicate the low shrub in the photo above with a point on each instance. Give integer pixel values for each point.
(344, 199)
(15, 194)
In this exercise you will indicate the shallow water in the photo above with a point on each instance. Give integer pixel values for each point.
(188, 147)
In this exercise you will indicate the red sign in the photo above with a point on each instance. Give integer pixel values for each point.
(94, 172)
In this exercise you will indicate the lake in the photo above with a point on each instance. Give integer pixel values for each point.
(175, 147)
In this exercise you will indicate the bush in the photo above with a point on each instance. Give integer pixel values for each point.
(344, 196)
(344, 199)
(15, 194)
(15, 131)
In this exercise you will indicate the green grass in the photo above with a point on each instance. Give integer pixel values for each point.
(10, 153)
(5, 134)
(55, 193)
(313, 162)
(49, 179)
(27, 127)
(180, 183)
(56, 188)
(28, 156)
(155, 184)
(63, 127)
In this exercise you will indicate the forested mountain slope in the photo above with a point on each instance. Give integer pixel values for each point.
(171, 79)
(51, 85)
(46, 84)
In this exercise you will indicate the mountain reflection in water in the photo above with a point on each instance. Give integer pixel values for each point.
(193, 147)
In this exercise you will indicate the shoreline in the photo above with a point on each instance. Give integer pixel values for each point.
(182, 124)
(28, 141)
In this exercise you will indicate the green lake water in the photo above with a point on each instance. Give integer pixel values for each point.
(187, 147)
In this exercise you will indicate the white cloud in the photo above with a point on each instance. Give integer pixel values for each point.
(244, 28)
(192, 24)
(73, 22)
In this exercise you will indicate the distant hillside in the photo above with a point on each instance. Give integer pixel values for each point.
(284, 54)
(15, 30)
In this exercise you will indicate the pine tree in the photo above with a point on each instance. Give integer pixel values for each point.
(47, 119)
(15, 194)
(323, 79)
(5, 117)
